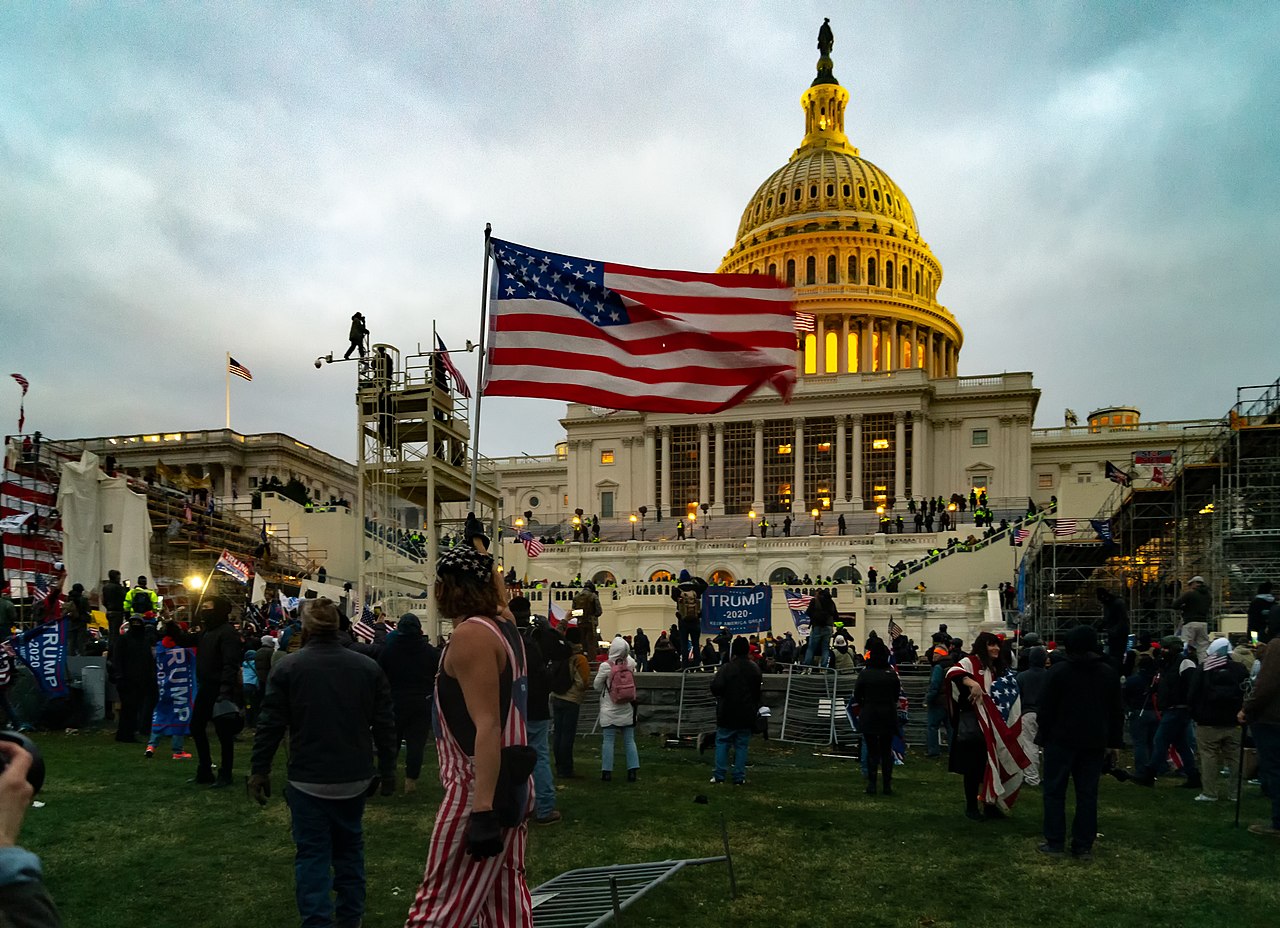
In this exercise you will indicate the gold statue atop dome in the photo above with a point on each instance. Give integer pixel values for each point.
(826, 41)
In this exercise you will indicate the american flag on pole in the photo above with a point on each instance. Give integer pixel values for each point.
(232, 566)
(625, 337)
(235, 367)
(532, 546)
(1117, 475)
(362, 627)
(806, 322)
(443, 354)
(797, 601)
(1020, 535)
(25, 384)
(894, 629)
(40, 590)
(1064, 528)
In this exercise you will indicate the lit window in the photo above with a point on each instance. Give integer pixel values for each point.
(150, 438)
(784, 449)
(173, 436)
(880, 444)
(1044, 481)
(981, 437)
(880, 487)
(824, 446)
(606, 457)
(832, 364)
(811, 354)
(566, 499)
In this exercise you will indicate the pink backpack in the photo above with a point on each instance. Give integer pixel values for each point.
(622, 682)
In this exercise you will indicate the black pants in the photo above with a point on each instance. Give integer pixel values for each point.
(969, 759)
(1084, 767)
(879, 754)
(131, 697)
(201, 716)
(413, 722)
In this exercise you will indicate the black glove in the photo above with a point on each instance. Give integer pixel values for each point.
(484, 835)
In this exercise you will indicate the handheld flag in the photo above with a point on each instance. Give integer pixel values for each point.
(1117, 475)
(1021, 535)
(362, 627)
(1103, 528)
(798, 603)
(894, 629)
(447, 363)
(532, 546)
(622, 337)
(232, 567)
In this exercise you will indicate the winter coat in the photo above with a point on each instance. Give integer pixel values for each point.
(1263, 702)
(1080, 707)
(1264, 618)
(876, 694)
(736, 687)
(618, 715)
(580, 673)
(1217, 695)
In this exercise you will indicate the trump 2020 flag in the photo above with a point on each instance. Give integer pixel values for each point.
(232, 566)
(623, 337)
(44, 650)
(176, 686)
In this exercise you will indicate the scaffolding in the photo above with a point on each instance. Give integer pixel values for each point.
(414, 445)
(1216, 514)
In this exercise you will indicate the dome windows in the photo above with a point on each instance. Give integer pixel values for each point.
(773, 271)
(862, 192)
(796, 195)
(791, 273)
(871, 272)
(813, 191)
(811, 270)
(782, 197)
(831, 269)
(853, 269)
(831, 190)
(888, 200)
(847, 190)
(888, 275)
(875, 195)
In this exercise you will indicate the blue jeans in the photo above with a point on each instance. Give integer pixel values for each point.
(738, 739)
(544, 787)
(1142, 731)
(1174, 730)
(1266, 738)
(329, 837)
(1085, 768)
(177, 740)
(565, 715)
(628, 746)
(689, 642)
(819, 645)
(936, 720)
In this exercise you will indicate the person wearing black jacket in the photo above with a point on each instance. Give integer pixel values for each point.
(542, 645)
(113, 602)
(1081, 728)
(410, 663)
(219, 654)
(133, 671)
(336, 705)
(736, 687)
(876, 694)
(1216, 697)
(822, 620)
(1115, 625)
(1173, 700)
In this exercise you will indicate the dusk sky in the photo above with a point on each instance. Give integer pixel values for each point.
(182, 180)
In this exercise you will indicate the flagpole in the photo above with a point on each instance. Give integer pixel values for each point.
(228, 373)
(484, 325)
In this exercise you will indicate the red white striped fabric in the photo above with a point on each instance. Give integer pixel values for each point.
(27, 554)
(1002, 777)
(625, 337)
(806, 322)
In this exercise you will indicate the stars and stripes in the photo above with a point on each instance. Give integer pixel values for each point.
(25, 384)
(232, 566)
(1064, 528)
(238, 369)
(451, 369)
(532, 546)
(999, 716)
(625, 337)
(797, 601)
(362, 627)
(806, 322)
(40, 589)
(1005, 694)
(31, 529)
(1021, 534)
(894, 629)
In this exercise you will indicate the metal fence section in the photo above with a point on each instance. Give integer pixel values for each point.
(697, 705)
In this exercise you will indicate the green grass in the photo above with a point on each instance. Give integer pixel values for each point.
(128, 843)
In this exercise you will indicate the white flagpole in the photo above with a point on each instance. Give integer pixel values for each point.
(228, 373)
(484, 325)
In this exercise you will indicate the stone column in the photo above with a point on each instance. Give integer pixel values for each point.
(915, 353)
(844, 345)
(842, 486)
(1006, 484)
(856, 468)
(665, 504)
(757, 490)
(718, 505)
(820, 346)
(864, 348)
(704, 473)
(650, 495)
(919, 455)
(797, 480)
(899, 454)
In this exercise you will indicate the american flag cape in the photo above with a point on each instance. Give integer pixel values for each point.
(1000, 720)
(623, 337)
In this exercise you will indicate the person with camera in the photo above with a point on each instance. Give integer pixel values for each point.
(24, 901)
(337, 707)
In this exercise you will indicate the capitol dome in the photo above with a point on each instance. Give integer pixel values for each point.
(837, 228)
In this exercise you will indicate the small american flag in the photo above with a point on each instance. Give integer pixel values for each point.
(806, 322)
(797, 601)
(22, 382)
(235, 367)
(41, 591)
(362, 627)
(1021, 535)
(532, 546)
(458, 383)
(1064, 528)
(894, 629)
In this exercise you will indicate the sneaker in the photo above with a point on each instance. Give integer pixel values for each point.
(1255, 782)
(549, 819)
(1203, 798)
(181, 755)
(1262, 828)
(715, 781)
(1047, 848)
(150, 751)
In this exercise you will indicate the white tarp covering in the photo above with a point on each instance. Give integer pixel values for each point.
(104, 525)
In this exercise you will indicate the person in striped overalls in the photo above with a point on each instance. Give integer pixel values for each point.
(475, 865)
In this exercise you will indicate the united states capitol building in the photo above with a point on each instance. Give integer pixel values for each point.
(880, 416)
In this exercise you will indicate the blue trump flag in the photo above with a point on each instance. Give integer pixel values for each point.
(44, 650)
(176, 680)
(743, 610)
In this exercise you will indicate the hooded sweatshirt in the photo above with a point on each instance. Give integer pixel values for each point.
(1260, 616)
(612, 713)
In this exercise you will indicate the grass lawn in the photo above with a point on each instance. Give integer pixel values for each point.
(127, 842)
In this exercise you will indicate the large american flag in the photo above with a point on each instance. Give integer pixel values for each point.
(458, 383)
(532, 546)
(624, 337)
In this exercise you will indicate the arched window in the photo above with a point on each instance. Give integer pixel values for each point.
(833, 353)
(783, 575)
(791, 273)
(813, 191)
(846, 190)
(871, 272)
(660, 576)
(831, 269)
(811, 354)
(888, 274)
(604, 578)
(906, 278)
(853, 269)
(853, 353)
(917, 281)
(782, 197)
(773, 270)
(721, 577)
(919, 354)
(831, 190)
(811, 270)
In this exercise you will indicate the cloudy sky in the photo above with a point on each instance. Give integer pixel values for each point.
(182, 180)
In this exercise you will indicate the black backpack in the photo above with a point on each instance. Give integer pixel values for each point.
(140, 601)
(556, 667)
(1220, 695)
